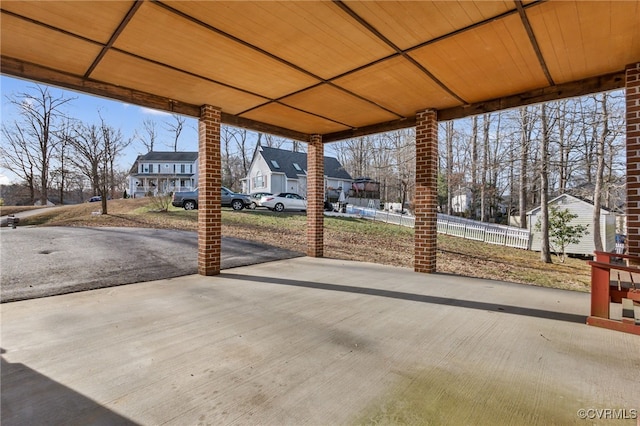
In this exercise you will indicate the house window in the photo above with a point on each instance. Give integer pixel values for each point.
(275, 164)
(181, 168)
(258, 181)
(150, 168)
(297, 167)
(190, 168)
(174, 168)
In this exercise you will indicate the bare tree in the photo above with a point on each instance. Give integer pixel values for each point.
(486, 124)
(240, 136)
(113, 143)
(603, 133)
(226, 156)
(474, 165)
(271, 141)
(87, 151)
(40, 114)
(95, 150)
(545, 252)
(148, 139)
(176, 128)
(16, 155)
(526, 131)
(64, 145)
(449, 167)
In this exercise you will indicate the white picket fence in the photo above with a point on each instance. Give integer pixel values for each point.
(487, 232)
(382, 216)
(452, 225)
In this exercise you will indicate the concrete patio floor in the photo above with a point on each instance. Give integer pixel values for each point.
(316, 342)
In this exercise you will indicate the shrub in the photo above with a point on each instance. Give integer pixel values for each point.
(160, 203)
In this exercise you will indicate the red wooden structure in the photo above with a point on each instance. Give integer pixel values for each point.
(615, 278)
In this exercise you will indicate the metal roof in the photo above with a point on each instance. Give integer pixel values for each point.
(339, 69)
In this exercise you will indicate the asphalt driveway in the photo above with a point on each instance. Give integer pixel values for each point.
(46, 261)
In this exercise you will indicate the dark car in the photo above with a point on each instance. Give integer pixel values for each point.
(189, 199)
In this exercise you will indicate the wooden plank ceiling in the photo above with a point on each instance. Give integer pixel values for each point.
(340, 69)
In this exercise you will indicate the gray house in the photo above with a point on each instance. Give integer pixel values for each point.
(278, 170)
(584, 210)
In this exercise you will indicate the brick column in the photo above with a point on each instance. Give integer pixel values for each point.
(633, 158)
(315, 197)
(209, 181)
(426, 201)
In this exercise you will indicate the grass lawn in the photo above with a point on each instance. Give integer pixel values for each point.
(344, 238)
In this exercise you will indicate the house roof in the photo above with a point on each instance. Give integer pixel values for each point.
(184, 156)
(574, 198)
(179, 157)
(335, 68)
(286, 160)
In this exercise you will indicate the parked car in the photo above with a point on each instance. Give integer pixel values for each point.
(284, 201)
(189, 199)
(256, 197)
(97, 198)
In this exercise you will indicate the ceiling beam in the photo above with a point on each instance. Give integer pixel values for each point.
(584, 87)
(369, 130)
(257, 126)
(134, 8)
(29, 71)
(398, 51)
(275, 57)
(534, 41)
(572, 89)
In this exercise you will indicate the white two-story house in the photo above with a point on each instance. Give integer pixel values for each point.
(277, 170)
(158, 173)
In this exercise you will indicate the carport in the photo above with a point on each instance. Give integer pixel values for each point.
(320, 72)
(262, 348)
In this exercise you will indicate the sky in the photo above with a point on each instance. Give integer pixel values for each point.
(118, 115)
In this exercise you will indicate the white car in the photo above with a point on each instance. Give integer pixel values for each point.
(284, 201)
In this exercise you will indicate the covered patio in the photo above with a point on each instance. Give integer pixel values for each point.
(331, 342)
(249, 346)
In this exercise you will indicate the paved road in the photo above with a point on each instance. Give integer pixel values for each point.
(45, 261)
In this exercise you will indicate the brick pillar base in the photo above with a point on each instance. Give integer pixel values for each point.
(633, 158)
(426, 200)
(209, 181)
(315, 197)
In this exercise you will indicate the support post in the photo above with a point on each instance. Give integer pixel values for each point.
(315, 197)
(632, 85)
(209, 181)
(426, 200)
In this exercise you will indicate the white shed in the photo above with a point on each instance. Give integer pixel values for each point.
(584, 210)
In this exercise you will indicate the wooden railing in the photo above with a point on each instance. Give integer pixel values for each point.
(615, 278)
